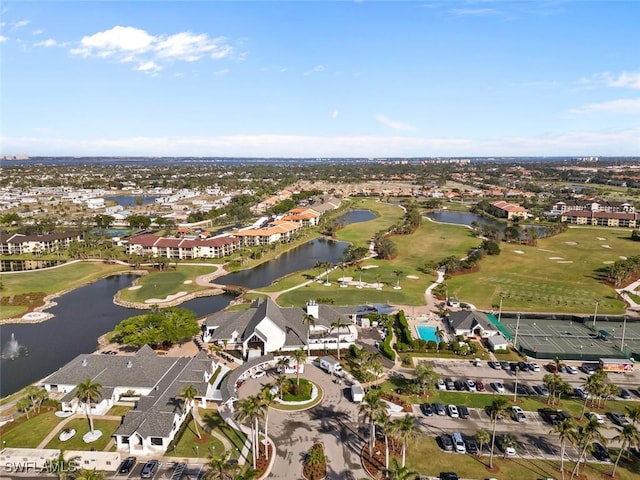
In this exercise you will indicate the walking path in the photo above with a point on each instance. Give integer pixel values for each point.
(61, 426)
(198, 419)
(634, 308)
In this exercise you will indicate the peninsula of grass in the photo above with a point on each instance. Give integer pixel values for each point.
(361, 233)
(559, 274)
(300, 406)
(161, 284)
(39, 283)
(81, 426)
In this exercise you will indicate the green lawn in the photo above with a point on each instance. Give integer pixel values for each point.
(81, 425)
(213, 420)
(119, 410)
(536, 280)
(168, 282)
(360, 234)
(187, 443)
(426, 458)
(29, 433)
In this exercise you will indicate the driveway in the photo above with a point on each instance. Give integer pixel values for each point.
(333, 422)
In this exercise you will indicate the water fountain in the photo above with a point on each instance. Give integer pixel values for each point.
(13, 349)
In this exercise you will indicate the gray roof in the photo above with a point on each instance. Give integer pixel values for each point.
(470, 319)
(141, 370)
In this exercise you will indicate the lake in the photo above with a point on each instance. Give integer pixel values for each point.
(467, 218)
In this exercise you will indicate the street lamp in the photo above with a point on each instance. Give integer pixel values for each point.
(515, 390)
(197, 450)
(515, 339)
(500, 309)
(624, 328)
(595, 313)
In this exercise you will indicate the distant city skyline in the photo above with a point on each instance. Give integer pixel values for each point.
(468, 78)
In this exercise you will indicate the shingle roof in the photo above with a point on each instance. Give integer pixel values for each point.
(467, 320)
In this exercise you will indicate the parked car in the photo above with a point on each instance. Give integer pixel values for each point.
(625, 394)
(504, 365)
(524, 367)
(460, 385)
(480, 386)
(599, 418)
(449, 384)
(471, 385)
(571, 369)
(453, 411)
(534, 367)
(448, 476)
(259, 374)
(580, 392)
(446, 442)
(495, 365)
(554, 417)
(618, 418)
(149, 469)
(472, 446)
(463, 411)
(440, 385)
(426, 409)
(541, 390)
(127, 465)
(518, 414)
(439, 408)
(552, 368)
(508, 450)
(600, 453)
(589, 368)
(498, 387)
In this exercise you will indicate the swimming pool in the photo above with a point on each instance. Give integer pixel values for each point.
(426, 332)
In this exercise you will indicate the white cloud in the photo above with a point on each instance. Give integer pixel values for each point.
(21, 23)
(624, 79)
(335, 113)
(222, 72)
(134, 45)
(37, 32)
(50, 42)
(393, 123)
(621, 106)
(3, 38)
(316, 69)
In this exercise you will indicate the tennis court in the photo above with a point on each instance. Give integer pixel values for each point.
(571, 339)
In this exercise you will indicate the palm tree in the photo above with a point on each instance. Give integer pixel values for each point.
(280, 382)
(343, 267)
(309, 321)
(497, 409)
(384, 420)
(398, 274)
(359, 270)
(440, 334)
(407, 430)
(426, 376)
(189, 394)
(299, 357)
(378, 284)
(591, 386)
(398, 472)
(283, 363)
(220, 467)
(567, 431)
(587, 434)
(628, 436)
(87, 393)
(267, 399)
(249, 409)
(482, 437)
(633, 414)
(247, 474)
(337, 325)
(507, 441)
(370, 408)
(61, 465)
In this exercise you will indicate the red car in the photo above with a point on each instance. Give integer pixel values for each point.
(480, 386)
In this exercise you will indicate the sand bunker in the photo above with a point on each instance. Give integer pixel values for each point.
(571, 243)
(608, 262)
(187, 282)
(600, 238)
(519, 252)
(556, 258)
(622, 257)
(367, 267)
(135, 287)
(545, 250)
(413, 277)
(168, 299)
(345, 279)
(605, 246)
(565, 261)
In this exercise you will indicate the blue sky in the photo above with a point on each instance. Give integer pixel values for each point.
(320, 79)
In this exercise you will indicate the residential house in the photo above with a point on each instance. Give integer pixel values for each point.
(182, 248)
(471, 323)
(507, 210)
(51, 242)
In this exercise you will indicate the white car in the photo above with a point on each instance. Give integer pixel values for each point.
(471, 385)
(598, 417)
(535, 367)
(440, 384)
(510, 452)
(571, 369)
(498, 387)
(453, 411)
(518, 414)
(259, 374)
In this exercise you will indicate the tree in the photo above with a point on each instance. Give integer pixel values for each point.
(359, 271)
(220, 468)
(309, 321)
(370, 408)
(633, 413)
(160, 327)
(497, 410)
(628, 436)
(426, 377)
(36, 395)
(280, 382)
(406, 431)
(189, 394)
(267, 399)
(88, 392)
(337, 325)
(250, 409)
(567, 431)
(86, 474)
(24, 405)
(398, 472)
(398, 274)
(482, 437)
(384, 420)
(586, 435)
(62, 466)
(299, 357)
(440, 334)
(508, 441)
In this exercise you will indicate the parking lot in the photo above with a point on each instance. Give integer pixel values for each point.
(165, 471)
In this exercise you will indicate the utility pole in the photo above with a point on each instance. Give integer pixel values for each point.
(515, 340)
(595, 313)
(500, 309)
(624, 328)
(515, 390)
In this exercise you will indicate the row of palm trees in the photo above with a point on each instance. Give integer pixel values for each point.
(328, 266)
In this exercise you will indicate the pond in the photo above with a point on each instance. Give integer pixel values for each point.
(131, 200)
(303, 257)
(81, 316)
(467, 218)
(22, 265)
(355, 216)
